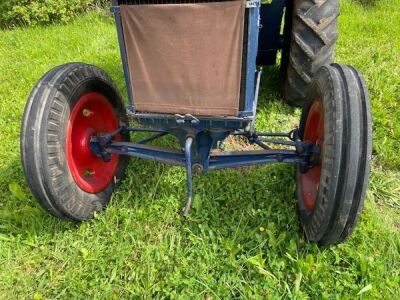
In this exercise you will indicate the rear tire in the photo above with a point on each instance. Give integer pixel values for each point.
(337, 117)
(311, 31)
(48, 140)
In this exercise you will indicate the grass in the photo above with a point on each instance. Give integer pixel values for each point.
(242, 239)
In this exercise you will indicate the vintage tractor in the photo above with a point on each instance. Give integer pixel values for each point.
(193, 71)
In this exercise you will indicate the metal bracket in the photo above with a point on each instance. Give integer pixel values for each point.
(302, 149)
(115, 9)
(248, 114)
(253, 3)
(99, 150)
(180, 119)
(98, 143)
(130, 110)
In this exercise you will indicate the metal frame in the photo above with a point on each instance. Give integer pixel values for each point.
(253, 28)
(198, 136)
(252, 49)
(121, 41)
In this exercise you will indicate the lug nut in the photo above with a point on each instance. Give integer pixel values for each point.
(197, 169)
(88, 173)
(87, 113)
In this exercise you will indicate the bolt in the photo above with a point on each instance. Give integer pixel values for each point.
(87, 113)
(197, 169)
(88, 173)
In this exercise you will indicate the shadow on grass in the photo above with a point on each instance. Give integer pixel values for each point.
(367, 3)
(269, 92)
(269, 86)
(20, 214)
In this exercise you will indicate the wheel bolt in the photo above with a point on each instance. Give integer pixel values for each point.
(88, 173)
(87, 113)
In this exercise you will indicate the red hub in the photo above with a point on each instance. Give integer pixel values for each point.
(91, 115)
(314, 132)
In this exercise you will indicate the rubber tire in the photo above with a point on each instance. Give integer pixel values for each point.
(345, 157)
(43, 137)
(310, 35)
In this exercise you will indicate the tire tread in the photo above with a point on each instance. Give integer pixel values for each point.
(346, 154)
(313, 35)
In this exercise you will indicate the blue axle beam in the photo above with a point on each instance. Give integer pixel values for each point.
(196, 155)
(216, 161)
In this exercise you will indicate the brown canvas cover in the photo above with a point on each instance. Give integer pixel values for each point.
(185, 58)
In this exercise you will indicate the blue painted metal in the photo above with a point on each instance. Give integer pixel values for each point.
(251, 158)
(144, 129)
(168, 156)
(198, 148)
(170, 122)
(188, 159)
(252, 48)
(197, 145)
(152, 138)
(205, 142)
(115, 10)
(218, 161)
(270, 39)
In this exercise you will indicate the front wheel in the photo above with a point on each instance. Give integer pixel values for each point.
(69, 105)
(337, 118)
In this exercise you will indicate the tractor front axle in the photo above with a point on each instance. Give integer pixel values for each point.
(196, 156)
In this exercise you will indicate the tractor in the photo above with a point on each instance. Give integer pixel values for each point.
(192, 71)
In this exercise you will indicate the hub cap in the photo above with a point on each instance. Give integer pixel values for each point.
(91, 115)
(314, 132)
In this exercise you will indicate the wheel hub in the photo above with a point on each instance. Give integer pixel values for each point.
(314, 133)
(91, 115)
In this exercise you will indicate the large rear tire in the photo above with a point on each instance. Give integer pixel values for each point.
(310, 34)
(336, 117)
(70, 104)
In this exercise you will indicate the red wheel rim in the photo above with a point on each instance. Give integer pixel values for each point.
(91, 115)
(314, 132)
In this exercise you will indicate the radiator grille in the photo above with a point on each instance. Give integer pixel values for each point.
(245, 34)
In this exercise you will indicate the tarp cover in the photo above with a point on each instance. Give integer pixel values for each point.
(185, 58)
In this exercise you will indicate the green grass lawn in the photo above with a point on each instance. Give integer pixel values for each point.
(242, 239)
